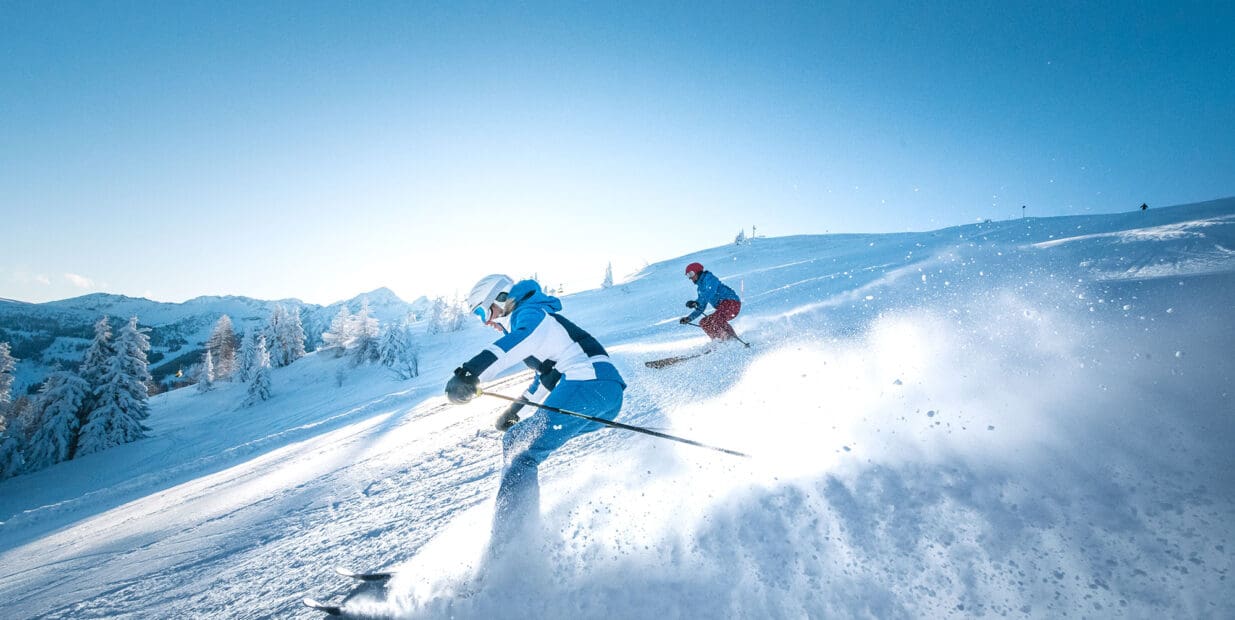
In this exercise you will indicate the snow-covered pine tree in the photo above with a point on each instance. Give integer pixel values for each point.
(445, 316)
(608, 281)
(94, 364)
(58, 409)
(313, 328)
(22, 419)
(741, 238)
(122, 402)
(11, 446)
(205, 376)
(398, 351)
(288, 345)
(96, 355)
(11, 459)
(365, 329)
(7, 364)
(114, 420)
(132, 345)
(339, 337)
(278, 315)
(248, 356)
(222, 349)
(259, 385)
(284, 336)
(437, 308)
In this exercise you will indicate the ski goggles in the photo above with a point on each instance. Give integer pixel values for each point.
(482, 310)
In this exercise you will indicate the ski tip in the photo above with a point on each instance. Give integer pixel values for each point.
(312, 603)
(351, 574)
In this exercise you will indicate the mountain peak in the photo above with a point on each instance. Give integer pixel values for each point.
(380, 295)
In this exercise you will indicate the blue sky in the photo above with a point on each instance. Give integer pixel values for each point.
(318, 150)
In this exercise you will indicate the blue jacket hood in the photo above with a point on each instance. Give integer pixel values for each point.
(528, 294)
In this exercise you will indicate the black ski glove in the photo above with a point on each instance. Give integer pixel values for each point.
(462, 387)
(509, 417)
(692, 304)
(684, 320)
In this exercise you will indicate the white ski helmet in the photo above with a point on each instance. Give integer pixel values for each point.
(491, 288)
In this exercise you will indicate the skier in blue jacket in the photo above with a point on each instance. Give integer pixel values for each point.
(573, 372)
(712, 291)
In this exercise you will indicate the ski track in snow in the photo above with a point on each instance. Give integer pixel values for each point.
(1028, 418)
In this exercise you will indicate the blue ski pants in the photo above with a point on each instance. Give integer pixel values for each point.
(529, 442)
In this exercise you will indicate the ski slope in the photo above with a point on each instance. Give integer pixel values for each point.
(1026, 418)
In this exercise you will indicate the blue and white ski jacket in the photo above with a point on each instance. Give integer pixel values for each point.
(544, 341)
(711, 291)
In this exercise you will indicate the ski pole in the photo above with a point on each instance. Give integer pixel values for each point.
(735, 336)
(628, 427)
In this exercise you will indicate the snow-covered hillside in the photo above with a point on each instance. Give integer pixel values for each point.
(58, 332)
(1021, 418)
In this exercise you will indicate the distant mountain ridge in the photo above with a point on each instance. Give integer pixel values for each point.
(52, 333)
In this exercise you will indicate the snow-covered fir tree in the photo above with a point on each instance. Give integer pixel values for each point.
(274, 323)
(7, 364)
(398, 351)
(94, 363)
(365, 332)
(222, 349)
(122, 401)
(114, 419)
(205, 375)
(58, 408)
(11, 445)
(248, 356)
(132, 344)
(446, 316)
(312, 326)
(741, 238)
(22, 420)
(340, 336)
(11, 460)
(286, 336)
(608, 281)
(259, 385)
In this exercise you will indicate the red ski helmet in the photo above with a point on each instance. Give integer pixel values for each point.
(695, 268)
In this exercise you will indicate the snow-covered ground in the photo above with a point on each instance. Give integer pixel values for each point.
(1021, 418)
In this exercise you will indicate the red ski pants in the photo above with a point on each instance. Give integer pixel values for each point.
(716, 325)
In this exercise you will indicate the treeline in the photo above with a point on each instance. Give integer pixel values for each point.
(361, 337)
(101, 405)
(105, 401)
(28, 336)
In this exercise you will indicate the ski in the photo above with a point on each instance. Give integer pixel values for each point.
(374, 576)
(669, 361)
(332, 610)
(377, 577)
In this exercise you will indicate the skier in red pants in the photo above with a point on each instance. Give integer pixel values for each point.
(712, 291)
